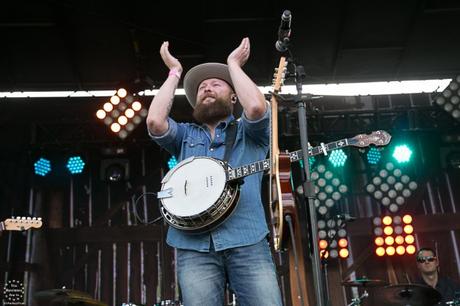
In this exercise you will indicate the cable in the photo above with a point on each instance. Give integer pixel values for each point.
(136, 212)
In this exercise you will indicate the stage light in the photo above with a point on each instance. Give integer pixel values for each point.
(388, 230)
(121, 92)
(122, 120)
(120, 113)
(400, 250)
(391, 187)
(407, 219)
(387, 220)
(115, 100)
(409, 239)
(386, 242)
(379, 241)
(389, 240)
(42, 166)
(136, 106)
(108, 107)
(410, 249)
(75, 164)
(323, 244)
(380, 251)
(328, 189)
(337, 158)
(399, 239)
(449, 99)
(311, 161)
(114, 170)
(129, 113)
(408, 229)
(115, 127)
(373, 156)
(333, 236)
(101, 114)
(402, 153)
(344, 253)
(331, 228)
(343, 243)
(390, 251)
(172, 162)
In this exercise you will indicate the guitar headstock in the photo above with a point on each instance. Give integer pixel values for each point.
(279, 75)
(21, 223)
(378, 138)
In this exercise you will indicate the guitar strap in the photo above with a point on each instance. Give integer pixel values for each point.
(230, 139)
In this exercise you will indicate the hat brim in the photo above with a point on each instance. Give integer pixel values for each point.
(199, 73)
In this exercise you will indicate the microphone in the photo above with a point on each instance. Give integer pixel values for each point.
(284, 31)
(346, 217)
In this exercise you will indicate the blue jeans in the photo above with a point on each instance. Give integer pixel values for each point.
(249, 270)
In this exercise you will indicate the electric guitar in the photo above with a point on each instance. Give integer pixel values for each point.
(20, 224)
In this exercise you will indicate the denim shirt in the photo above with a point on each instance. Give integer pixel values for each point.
(247, 225)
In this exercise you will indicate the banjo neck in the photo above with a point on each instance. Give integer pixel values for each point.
(378, 138)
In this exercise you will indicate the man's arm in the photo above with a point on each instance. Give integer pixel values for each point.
(250, 97)
(157, 118)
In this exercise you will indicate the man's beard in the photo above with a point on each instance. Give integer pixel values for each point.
(213, 112)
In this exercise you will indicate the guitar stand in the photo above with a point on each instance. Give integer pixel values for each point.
(357, 301)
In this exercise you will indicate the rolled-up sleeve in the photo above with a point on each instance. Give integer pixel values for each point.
(258, 130)
(171, 140)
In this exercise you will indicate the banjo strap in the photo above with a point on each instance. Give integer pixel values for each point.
(230, 139)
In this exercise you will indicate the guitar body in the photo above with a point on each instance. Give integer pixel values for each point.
(282, 204)
(297, 270)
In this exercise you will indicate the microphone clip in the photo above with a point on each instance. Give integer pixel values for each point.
(283, 45)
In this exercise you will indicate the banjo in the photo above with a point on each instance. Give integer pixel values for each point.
(202, 192)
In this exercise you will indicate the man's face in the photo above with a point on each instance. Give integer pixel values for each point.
(211, 89)
(213, 101)
(427, 262)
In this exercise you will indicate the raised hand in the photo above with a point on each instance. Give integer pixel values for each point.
(170, 61)
(240, 55)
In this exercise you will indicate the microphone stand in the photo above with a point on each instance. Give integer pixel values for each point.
(308, 187)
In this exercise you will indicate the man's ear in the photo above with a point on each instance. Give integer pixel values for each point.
(234, 98)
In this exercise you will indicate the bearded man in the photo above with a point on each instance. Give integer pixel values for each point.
(236, 251)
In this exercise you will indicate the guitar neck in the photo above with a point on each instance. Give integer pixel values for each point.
(322, 149)
(263, 165)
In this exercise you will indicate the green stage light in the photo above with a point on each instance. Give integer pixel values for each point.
(402, 153)
(373, 156)
(172, 162)
(311, 161)
(338, 158)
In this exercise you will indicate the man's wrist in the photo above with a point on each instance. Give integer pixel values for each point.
(175, 72)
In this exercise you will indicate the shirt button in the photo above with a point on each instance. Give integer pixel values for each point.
(217, 135)
(212, 149)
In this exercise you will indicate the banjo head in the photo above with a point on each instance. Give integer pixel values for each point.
(196, 184)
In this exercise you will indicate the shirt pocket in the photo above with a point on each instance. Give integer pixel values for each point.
(193, 146)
